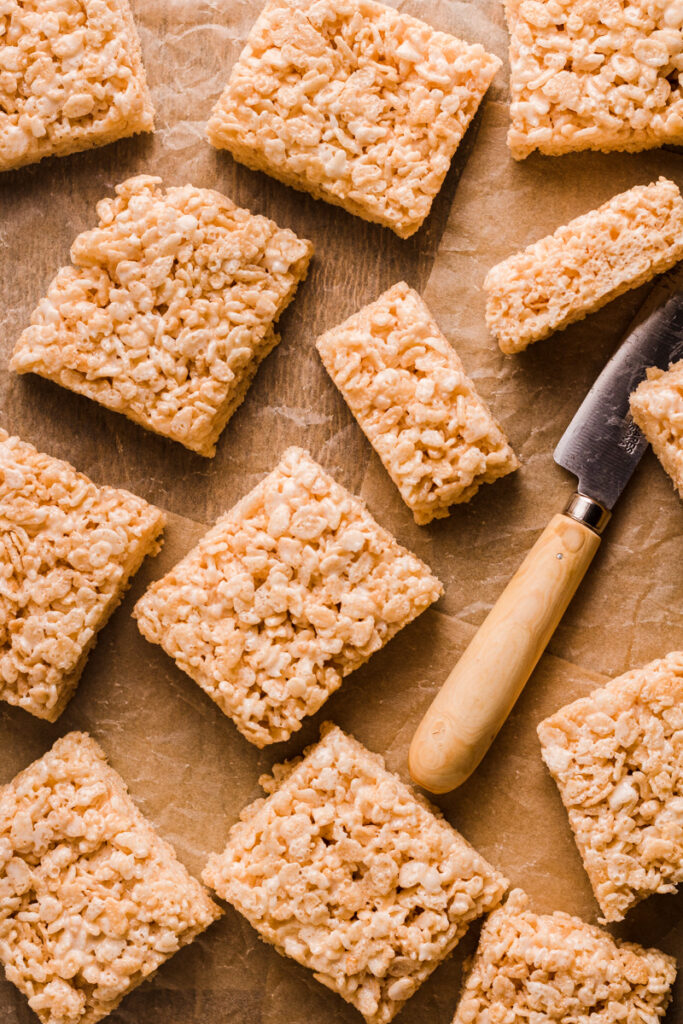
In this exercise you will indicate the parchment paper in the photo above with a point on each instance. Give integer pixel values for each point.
(186, 765)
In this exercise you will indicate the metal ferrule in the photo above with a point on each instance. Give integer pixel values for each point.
(590, 513)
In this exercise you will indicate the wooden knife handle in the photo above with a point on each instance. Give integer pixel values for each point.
(480, 692)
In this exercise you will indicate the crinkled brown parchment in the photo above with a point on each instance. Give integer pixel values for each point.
(186, 765)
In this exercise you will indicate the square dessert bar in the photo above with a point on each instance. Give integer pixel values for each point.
(594, 75)
(68, 550)
(71, 77)
(354, 102)
(92, 901)
(167, 310)
(617, 759)
(289, 592)
(657, 408)
(408, 390)
(585, 264)
(555, 967)
(352, 874)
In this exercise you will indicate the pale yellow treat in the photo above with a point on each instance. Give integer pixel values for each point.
(92, 901)
(537, 968)
(357, 103)
(595, 74)
(657, 408)
(68, 551)
(289, 592)
(168, 308)
(71, 77)
(411, 396)
(352, 874)
(585, 264)
(617, 758)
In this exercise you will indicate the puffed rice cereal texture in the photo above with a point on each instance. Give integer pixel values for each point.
(410, 394)
(617, 758)
(352, 874)
(71, 77)
(359, 104)
(595, 74)
(555, 967)
(585, 264)
(657, 408)
(68, 550)
(92, 901)
(167, 309)
(289, 592)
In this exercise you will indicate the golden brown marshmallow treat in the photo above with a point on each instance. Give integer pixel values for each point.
(352, 874)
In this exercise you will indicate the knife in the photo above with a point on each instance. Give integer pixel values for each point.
(602, 447)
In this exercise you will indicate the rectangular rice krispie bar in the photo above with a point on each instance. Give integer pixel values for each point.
(555, 967)
(92, 901)
(657, 408)
(289, 592)
(357, 103)
(585, 264)
(167, 310)
(352, 874)
(410, 394)
(68, 550)
(587, 75)
(617, 759)
(71, 77)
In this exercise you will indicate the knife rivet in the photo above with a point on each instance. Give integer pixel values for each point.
(559, 556)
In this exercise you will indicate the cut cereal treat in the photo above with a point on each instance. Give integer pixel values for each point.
(555, 967)
(92, 901)
(167, 310)
(71, 77)
(604, 75)
(409, 392)
(352, 874)
(289, 592)
(359, 104)
(617, 759)
(657, 408)
(68, 551)
(585, 264)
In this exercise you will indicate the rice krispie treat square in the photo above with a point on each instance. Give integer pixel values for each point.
(68, 551)
(412, 399)
(167, 310)
(555, 967)
(92, 901)
(585, 264)
(657, 408)
(604, 75)
(71, 77)
(352, 874)
(359, 104)
(289, 592)
(617, 758)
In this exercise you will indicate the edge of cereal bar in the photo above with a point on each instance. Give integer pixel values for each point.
(620, 692)
(154, 521)
(656, 428)
(139, 120)
(517, 905)
(623, 139)
(517, 275)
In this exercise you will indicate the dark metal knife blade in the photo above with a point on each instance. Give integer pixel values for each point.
(602, 445)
